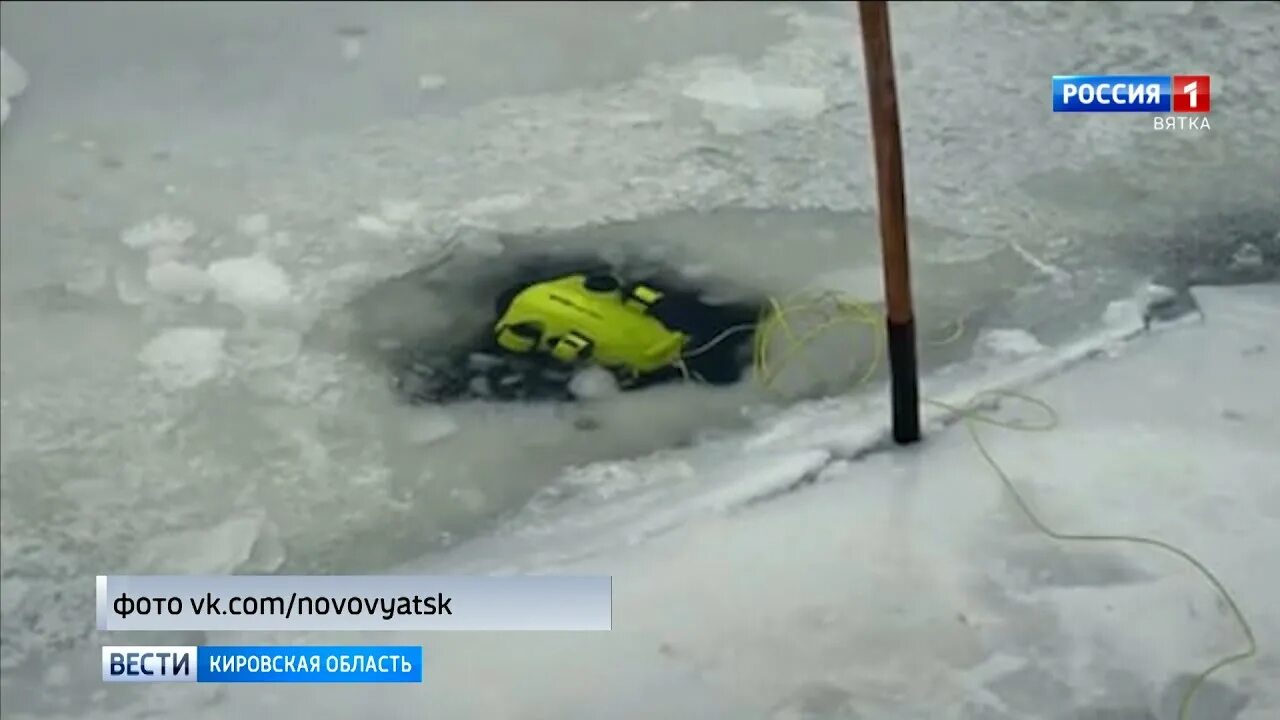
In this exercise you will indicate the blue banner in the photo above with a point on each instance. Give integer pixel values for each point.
(1113, 93)
(309, 664)
(263, 663)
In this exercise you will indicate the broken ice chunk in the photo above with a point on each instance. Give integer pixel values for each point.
(248, 543)
(160, 231)
(183, 358)
(1122, 314)
(1008, 344)
(735, 102)
(179, 280)
(375, 226)
(480, 387)
(1246, 256)
(130, 288)
(250, 283)
(593, 383)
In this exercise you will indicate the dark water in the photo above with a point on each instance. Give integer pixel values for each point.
(477, 368)
(430, 330)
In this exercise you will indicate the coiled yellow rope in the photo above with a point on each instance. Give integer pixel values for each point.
(832, 310)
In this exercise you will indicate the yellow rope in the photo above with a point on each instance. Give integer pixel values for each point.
(834, 311)
(973, 415)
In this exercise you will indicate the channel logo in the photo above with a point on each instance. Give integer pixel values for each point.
(1132, 94)
(263, 664)
(149, 663)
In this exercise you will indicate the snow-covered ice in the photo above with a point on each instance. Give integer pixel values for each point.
(735, 102)
(250, 283)
(905, 584)
(245, 544)
(255, 225)
(175, 279)
(183, 358)
(428, 427)
(400, 211)
(1008, 343)
(161, 237)
(375, 225)
(147, 138)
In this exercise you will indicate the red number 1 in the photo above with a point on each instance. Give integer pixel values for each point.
(1191, 94)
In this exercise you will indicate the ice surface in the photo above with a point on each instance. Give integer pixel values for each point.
(255, 225)
(13, 81)
(162, 237)
(497, 204)
(375, 225)
(400, 211)
(428, 82)
(736, 102)
(247, 544)
(905, 585)
(351, 48)
(1008, 344)
(183, 358)
(593, 383)
(179, 280)
(430, 427)
(1247, 256)
(250, 283)
(574, 116)
(865, 282)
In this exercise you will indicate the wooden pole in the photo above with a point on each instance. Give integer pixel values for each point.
(887, 137)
